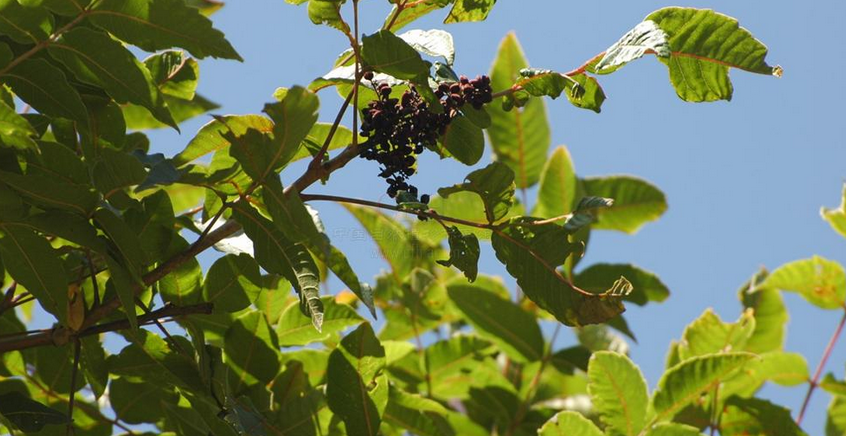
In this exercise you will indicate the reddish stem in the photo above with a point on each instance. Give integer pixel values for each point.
(816, 378)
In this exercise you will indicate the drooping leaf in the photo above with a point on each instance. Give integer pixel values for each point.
(387, 53)
(557, 193)
(647, 286)
(155, 25)
(581, 90)
(232, 283)
(463, 253)
(531, 253)
(469, 10)
(494, 184)
(820, 281)
(95, 58)
(618, 391)
(116, 171)
(636, 202)
(434, 42)
(355, 391)
(568, 422)
(295, 329)
(502, 322)
(520, 137)
(753, 416)
(645, 38)
(33, 263)
(251, 350)
(93, 363)
(685, 382)
(399, 247)
(837, 217)
(29, 415)
(174, 73)
(275, 253)
(184, 285)
(704, 45)
(673, 429)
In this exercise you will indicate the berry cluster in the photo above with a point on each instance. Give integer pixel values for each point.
(398, 129)
(476, 92)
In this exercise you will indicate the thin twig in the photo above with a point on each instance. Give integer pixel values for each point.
(211, 223)
(72, 395)
(816, 378)
(94, 284)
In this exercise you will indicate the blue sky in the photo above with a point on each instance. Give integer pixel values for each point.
(744, 180)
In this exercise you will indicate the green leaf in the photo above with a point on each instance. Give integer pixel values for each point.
(174, 73)
(45, 87)
(647, 286)
(636, 202)
(531, 253)
(449, 360)
(154, 25)
(15, 131)
(588, 94)
(51, 193)
(753, 416)
(93, 362)
(290, 215)
(833, 386)
(155, 361)
(154, 224)
(557, 193)
(769, 311)
(232, 283)
(645, 38)
(837, 217)
(704, 45)
(469, 10)
(398, 246)
(294, 329)
(293, 118)
(415, 413)
(24, 25)
(463, 205)
(95, 58)
(33, 263)
(29, 415)
(123, 284)
(494, 184)
(504, 323)
(618, 392)
(184, 285)
(464, 140)
(412, 12)
(673, 429)
(434, 42)
(317, 137)
(211, 137)
(327, 12)
(387, 53)
(784, 369)
(569, 423)
(820, 281)
(251, 350)
(835, 424)
(708, 334)
(137, 403)
(684, 383)
(126, 242)
(581, 90)
(355, 391)
(277, 254)
(520, 137)
(116, 171)
(463, 253)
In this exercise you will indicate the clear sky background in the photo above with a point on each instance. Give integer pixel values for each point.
(744, 180)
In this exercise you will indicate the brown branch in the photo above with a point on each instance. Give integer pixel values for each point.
(816, 378)
(60, 336)
(72, 396)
